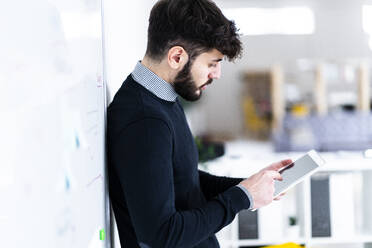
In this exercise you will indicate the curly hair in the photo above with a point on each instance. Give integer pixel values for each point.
(196, 25)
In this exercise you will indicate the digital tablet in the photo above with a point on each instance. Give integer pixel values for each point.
(297, 171)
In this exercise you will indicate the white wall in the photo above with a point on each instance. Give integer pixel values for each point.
(125, 27)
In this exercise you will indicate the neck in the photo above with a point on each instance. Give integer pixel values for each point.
(161, 69)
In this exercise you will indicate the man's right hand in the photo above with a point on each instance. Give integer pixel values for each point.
(261, 185)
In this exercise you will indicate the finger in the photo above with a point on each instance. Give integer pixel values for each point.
(274, 175)
(278, 165)
(279, 197)
(277, 176)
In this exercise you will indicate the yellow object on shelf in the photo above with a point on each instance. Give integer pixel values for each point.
(300, 110)
(286, 245)
(257, 125)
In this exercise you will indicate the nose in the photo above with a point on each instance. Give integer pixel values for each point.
(216, 72)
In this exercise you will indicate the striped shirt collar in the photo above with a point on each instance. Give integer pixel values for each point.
(154, 83)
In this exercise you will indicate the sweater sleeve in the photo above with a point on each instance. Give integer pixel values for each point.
(212, 185)
(143, 161)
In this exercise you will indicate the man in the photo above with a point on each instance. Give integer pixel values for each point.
(159, 197)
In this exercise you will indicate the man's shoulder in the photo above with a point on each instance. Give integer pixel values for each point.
(133, 102)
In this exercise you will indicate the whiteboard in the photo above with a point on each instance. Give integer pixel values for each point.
(52, 166)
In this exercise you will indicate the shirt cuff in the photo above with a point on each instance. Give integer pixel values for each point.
(250, 198)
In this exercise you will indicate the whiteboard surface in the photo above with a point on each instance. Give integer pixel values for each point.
(52, 102)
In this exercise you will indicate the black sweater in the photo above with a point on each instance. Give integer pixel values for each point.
(159, 197)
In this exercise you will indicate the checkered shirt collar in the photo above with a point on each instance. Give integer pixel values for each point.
(154, 83)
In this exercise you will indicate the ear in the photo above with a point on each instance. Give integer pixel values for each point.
(177, 57)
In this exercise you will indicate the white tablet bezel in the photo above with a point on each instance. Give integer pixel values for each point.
(318, 161)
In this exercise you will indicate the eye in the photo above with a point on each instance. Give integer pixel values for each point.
(212, 65)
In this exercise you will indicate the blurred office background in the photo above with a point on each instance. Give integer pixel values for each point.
(303, 83)
(294, 34)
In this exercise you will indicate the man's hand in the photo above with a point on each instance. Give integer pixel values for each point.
(261, 184)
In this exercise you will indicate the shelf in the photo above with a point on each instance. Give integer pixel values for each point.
(312, 241)
(242, 159)
(339, 240)
(259, 242)
(345, 166)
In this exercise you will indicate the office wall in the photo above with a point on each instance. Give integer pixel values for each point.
(125, 34)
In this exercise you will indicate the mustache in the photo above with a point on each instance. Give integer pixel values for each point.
(208, 82)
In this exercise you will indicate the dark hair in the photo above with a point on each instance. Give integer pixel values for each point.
(196, 25)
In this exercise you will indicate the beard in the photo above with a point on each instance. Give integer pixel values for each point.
(185, 86)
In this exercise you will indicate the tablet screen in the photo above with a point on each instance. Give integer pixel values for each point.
(293, 172)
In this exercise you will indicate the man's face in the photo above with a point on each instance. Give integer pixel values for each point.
(194, 77)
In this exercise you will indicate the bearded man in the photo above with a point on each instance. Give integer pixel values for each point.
(159, 197)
